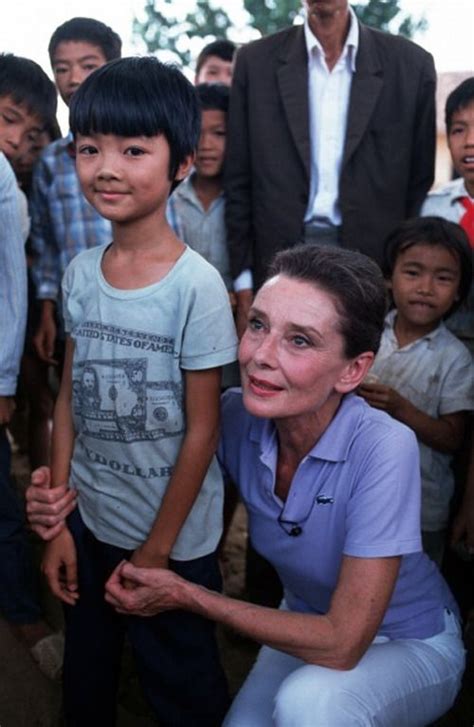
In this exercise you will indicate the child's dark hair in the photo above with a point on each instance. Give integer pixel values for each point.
(222, 48)
(27, 83)
(213, 97)
(139, 97)
(458, 99)
(90, 31)
(432, 231)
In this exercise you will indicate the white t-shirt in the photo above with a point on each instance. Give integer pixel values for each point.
(131, 347)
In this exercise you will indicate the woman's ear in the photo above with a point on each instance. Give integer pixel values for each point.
(184, 168)
(355, 371)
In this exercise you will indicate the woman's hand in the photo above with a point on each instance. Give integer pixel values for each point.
(153, 590)
(60, 567)
(47, 508)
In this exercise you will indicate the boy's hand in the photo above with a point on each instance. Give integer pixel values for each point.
(244, 302)
(45, 337)
(382, 397)
(7, 407)
(46, 507)
(59, 565)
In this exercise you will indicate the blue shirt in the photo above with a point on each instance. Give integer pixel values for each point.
(357, 493)
(13, 297)
(63, 223)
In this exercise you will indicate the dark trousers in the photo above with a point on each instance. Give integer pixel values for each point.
(176, 652)
(18, 587)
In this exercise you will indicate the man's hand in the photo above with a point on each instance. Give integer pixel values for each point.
(47, 508)
(154, 590)
(60, 567)
(7, 407)
(244, 301)
(45, 337)
(383, 397)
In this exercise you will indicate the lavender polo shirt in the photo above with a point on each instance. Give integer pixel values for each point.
(356, 493)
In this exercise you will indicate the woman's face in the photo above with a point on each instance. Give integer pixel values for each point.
(292, 354)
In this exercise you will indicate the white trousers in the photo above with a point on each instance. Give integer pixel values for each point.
(399, 683)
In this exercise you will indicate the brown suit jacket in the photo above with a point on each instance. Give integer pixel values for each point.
(388, 159)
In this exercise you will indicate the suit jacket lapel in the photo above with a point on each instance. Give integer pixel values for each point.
(366, 86)
(292, 77)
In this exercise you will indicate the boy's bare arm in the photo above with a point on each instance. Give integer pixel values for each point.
(59, 559)
(444, 433)
(197, 449)
(63, 427)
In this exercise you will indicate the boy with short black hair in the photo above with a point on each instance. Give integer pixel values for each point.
(136, 421)
(197, 207)
(27, 103)
(423, 375)
(455, 201)
(63, 222)
(215, 62)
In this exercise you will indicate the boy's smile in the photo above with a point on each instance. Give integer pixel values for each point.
(461, 144)
(17, 126)
(425, 283)
(125, 178)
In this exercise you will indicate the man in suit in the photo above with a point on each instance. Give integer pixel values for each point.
(331, 139)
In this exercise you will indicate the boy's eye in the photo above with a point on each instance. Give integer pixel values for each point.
(87, 150)
(59, 69)
(8, 119)
(89, 66)
(134, 151)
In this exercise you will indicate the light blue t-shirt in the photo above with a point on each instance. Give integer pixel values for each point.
(131, 347)
(356, 493)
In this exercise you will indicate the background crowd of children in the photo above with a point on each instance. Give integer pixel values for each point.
(422, 375)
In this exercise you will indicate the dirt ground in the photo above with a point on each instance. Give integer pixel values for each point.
(27, 699)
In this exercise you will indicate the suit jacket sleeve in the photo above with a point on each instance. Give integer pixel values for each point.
(424, 142)
(238, 174)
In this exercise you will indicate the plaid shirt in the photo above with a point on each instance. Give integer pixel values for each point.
(63, 223)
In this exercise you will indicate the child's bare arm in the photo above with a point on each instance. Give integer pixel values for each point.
(197, 449)
(59, 559)
(444, 433)
(63, 427)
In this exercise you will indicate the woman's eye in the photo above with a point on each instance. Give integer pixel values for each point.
(301, 341)
(255, 324)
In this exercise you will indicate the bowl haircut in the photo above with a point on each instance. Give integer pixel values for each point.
(139, 97)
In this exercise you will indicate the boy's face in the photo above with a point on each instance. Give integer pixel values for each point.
(211, 147)
(425, 283)
(126, 179)
(18, 127)
(461, 144)
(72, 62)
(214, 70)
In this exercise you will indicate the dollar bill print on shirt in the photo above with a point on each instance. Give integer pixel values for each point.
(115, 399)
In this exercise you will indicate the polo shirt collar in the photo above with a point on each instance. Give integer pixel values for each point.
(335, 442)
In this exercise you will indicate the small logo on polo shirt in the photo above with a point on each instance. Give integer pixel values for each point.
(324, 500)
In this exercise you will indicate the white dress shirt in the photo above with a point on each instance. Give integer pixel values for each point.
(328, 96)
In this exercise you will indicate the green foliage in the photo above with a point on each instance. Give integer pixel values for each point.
(165, 29)
(380, 14)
